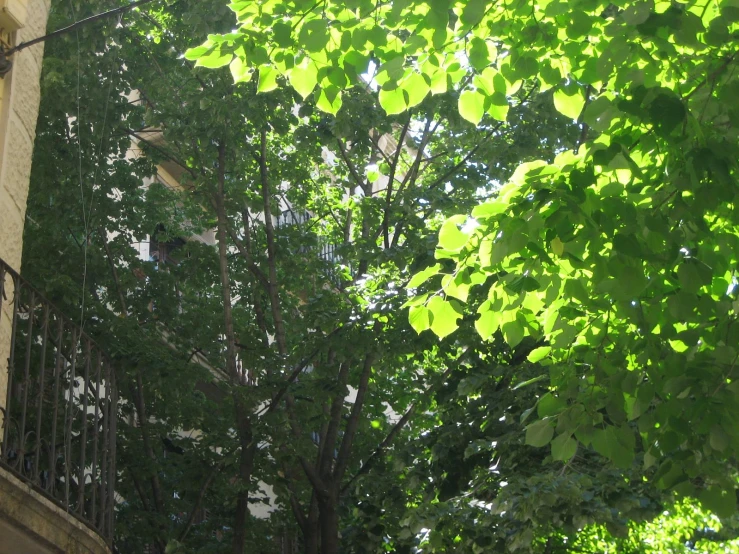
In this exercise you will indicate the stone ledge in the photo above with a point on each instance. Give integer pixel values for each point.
(32, 524)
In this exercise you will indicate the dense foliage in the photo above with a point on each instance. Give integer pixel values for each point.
(549, 187)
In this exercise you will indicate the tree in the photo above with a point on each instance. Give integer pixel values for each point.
(403, 116)
(619, 257)
(376, 237)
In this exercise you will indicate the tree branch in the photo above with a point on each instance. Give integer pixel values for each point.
(353, 170)
(334, 422)
(351, 426)
(390, 180)
(253, 268)
(113, 270)
(315, 480)
(412, 174)
(382, 446)
(199, 501)
(223, 266)
(467, 157)
(140, 405)
(271, 257)
(367, 465)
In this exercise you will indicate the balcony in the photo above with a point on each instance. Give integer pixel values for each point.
(326, 251)
(58, 403)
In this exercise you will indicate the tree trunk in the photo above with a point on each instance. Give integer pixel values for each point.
(246, 467)
(311, 530)
(310, 540)
(329, 523)
(243, 418)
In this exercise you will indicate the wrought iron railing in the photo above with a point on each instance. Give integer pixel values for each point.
(326, 251)
(59, 417)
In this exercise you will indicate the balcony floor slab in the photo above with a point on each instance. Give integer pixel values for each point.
(31, 524)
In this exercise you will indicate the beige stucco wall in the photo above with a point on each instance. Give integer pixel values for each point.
(18, 114)
(19, 103)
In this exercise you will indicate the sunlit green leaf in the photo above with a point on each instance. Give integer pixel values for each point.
(471, 106)
(538, 354)
(513, 333)
(420, 318)
(304, 78)
(450, 237)
(445, 316)
(267, 78)
(240, 72)
(393, 101)
(569, 104)
(423, 276)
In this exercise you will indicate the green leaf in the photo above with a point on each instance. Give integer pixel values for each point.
(602, 441)
(498, 107)
(240, 71)
(283, 33)
(445, 316)
(214, 60)
(530, 382)
(513, 333)
(489, 209)
(457, 286)
(538, 354)
(550, 405)
(638, 13)
(525, 415)
(525, 67)
(329, 99)
(564, 447)
(485, 81)
(450, 237)
(420, 318)
(718, 439)
(487, 324)
(569, 104)
(539, 433)
(693, 276)
(439, 82)
(314, 35)
(622, 450)
(473, 12)
(471, 106)
(481, 53)
(267, 78)
(393, 101)
(304, 78)
(416, 88)
(424, 275)
(720, 501)
(193, 54)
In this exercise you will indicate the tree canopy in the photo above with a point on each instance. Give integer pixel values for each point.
(465, 282)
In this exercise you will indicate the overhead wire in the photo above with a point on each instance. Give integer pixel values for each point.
(80, 175)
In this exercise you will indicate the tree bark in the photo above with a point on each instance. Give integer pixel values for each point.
(224, 273)
(311, 535)
(274, 297)
(243, 417)
(246, 468)
(342, 458)
(329, 523)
